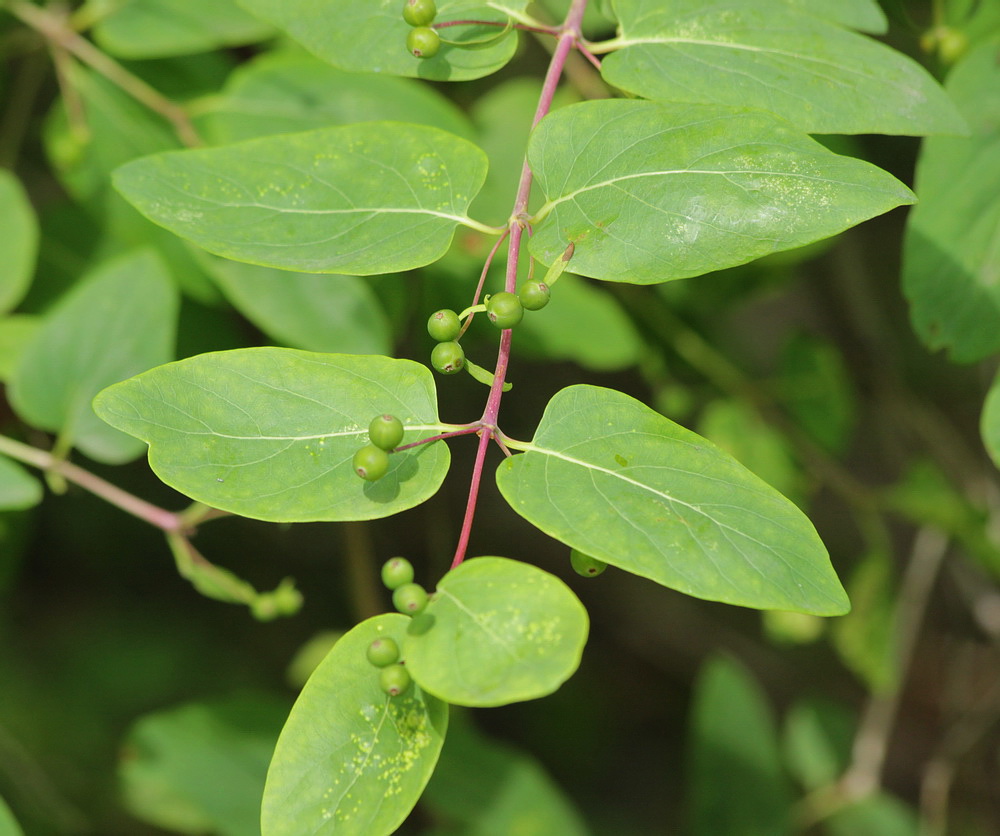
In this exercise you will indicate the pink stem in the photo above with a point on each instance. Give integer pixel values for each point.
(569, 35)
(472, 428)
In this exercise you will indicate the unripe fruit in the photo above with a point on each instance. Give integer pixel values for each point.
(444, 325)
(504, 310)
(419, 12)
(383, 652)
(397, 571)
(394, 680)
(371, 463)
(584, 564)
(410, 598)
(423, 42)
(385, 431)
(534, 295)
(448, 357)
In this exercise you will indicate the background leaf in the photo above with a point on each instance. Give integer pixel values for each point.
(607, 475)
(8, 824)
(371, 36)
(652, 192)
(18, 241)
(335, 314)
(351, 760)
(119, 321)
(496, 631)
(18, 488)
(157, 28)
(491, 789)
(16, 331)
(371, 198)
(200, 767)
(821, 78)
(270, 433)
(290, 91)
(990, 422)
(951, 252)
(736, 783)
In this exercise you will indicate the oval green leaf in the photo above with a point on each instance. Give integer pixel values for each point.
(370, 36)
(334, 314)
(18, 488)
(352, 761)
(990, 421)
(951, 253)
(161, 28)
(496, 631)
(118, 321)
(377, 197)
(747, 53)
(286, 92)
(269, 433)
(608, 476)
(18, 241)
(652, 192)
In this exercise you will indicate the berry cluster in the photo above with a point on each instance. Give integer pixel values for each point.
(371, 462)
(409, 598)
(504, 310)
(422, 42)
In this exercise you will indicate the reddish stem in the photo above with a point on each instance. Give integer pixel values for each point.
(472, 428)
(482, 281)
(569, 36)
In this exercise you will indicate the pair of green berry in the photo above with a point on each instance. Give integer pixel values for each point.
(505, 309)
(448, 356)
(371, 462)
(422, 42)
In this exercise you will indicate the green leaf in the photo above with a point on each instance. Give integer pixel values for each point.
(951, 252)
(200, 767)
(371, 36)
(16, 331)
(865, 639)
(8, 824)
(18, 241)
(652, 192)
(285, 92)
(736, 784)
(335, 314)
(494, 790)
(351, 760)
(496, 631)
(865, 15)
(990, 421)
(816, 742)
(118, 321)
(821, 78)
(160, 28)
(378, 197)
(18, 488)
(269, 433)
(739, 430)
(879, 813)
(608, 476)
(566, 329)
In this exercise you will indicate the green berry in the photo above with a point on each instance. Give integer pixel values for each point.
(423, 42)
(383, 652)
(385, 431)
(504, 310)
(419, 12)
(534, 295)
(371, 462)
(394, 680)
(584, 564)
(410, 598)
(448, 357)
(444, 325)
(397, 571)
